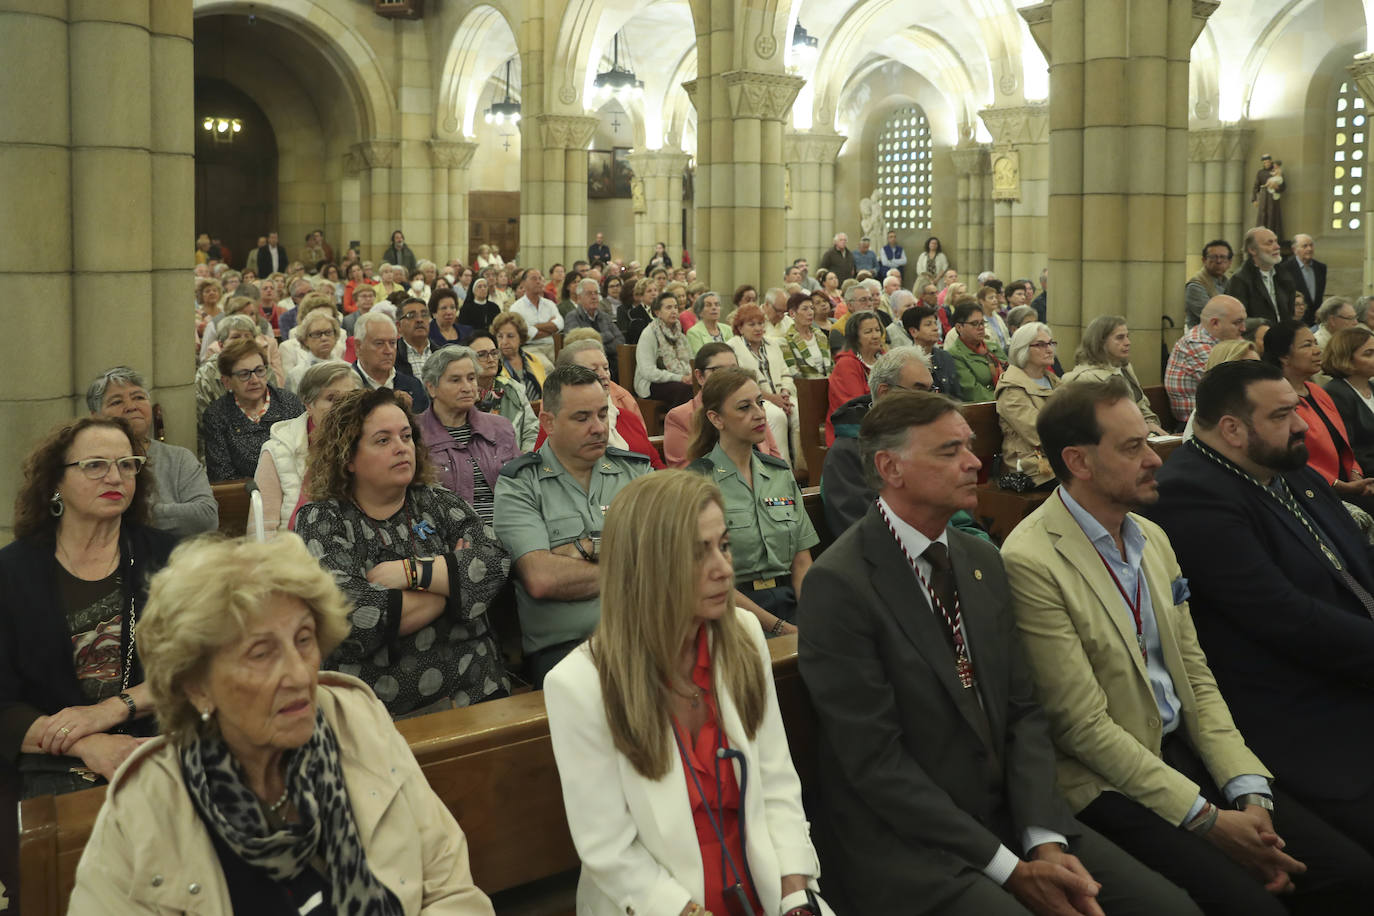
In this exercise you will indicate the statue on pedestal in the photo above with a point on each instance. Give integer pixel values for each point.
(871, 215)
(1267, 195)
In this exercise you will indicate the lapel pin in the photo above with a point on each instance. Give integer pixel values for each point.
(1310, 494)
(978, 574)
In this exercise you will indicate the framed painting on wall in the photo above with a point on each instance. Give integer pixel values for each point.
(622, 173)
(600, 177)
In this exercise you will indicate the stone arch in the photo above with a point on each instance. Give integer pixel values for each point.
(760, 35)
(474, 55)
(677, 107)
(350, 55)
(584, 38)
(1254, 61)
(1204, 78)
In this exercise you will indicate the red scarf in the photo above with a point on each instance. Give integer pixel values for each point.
(982, 350)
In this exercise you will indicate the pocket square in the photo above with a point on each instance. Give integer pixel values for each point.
(1179, 589)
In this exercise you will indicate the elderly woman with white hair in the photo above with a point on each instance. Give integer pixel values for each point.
(181, 499)
(280, 475)
(274, 788)
(296, 346)
(318, 338)
(1022, 392)
(1104, 351)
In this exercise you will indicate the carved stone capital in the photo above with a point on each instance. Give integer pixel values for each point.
(690, 87)
(566, 131)
(761, 95)
(1202, 11)
(353, 163)
(376, 154)
(811, 146)
(451, 154)
(664, 163)
(1018, 125)
(1219, 144)
(971, 160)
(1361, 70)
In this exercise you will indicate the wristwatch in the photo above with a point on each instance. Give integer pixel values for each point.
(1254, 798)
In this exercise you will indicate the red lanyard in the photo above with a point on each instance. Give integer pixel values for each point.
(1134, 606)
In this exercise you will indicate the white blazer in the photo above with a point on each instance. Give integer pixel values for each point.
(635, 836)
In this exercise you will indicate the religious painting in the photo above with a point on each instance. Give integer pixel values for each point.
(622, 174)
(600, 165)
(1006, 175)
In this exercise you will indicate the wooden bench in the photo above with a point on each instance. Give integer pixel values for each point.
(492, 764)
(813, 406)
(652, 410)
(232, 496)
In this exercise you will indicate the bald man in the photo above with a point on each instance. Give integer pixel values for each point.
(1223, 318)
(1307, 273)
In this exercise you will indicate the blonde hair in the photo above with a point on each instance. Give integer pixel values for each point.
(206, 597)
(1228, 351)
(653, 524)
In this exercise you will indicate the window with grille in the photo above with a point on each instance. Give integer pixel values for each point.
(1347, 158)
(904, 170)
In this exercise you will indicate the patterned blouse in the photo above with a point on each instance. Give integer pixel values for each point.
(456, 655)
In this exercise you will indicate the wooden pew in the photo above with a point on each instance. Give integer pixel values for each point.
(1159, 403)
(492, 764)
(815, 509)
(813, 405)
(652, 410)
(232, 496)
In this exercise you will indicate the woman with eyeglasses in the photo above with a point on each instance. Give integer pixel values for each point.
(235, 427)
(72, 588)
(978, 362)
(1023, 390)
(500, 395)
(318, 337)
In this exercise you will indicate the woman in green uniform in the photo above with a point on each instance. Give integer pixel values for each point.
(770, 533)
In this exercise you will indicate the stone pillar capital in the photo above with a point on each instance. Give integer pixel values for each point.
(971, 160)
(1038, 19)
(755, 94)
(658, 163)
(1012, 126)
(690, 87)
(1202, 11)
(1361, 70)
(451, 154)
(811, 146)
(566, 131)
(1219, 144)
(375, 154)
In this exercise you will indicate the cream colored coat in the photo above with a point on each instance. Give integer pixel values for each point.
(1089, 675)
(150, 852)
(1019, 402)
(1085, 373)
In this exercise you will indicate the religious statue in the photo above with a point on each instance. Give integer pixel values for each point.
(1006, 175)
(637, 193)
(1267, 195)
(871, 215)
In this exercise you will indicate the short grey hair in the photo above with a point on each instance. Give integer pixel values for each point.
(985, 276)
(119, 375)
(367, 320)
(1362, 307)
(854, 291)
(581, 285)
(565, 355)
(778, 296)
(320, 376)
(314, 317)
(229, 323)
(1330, 306)
(872, 285)
(1019, 348)
(425, 262)
(441, 359)
(1019, 314)
(900, 300)
(887, 369)
(700, 302)
(297, 283)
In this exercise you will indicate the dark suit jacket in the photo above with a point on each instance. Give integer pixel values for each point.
(1247, 286)
(1359, 422)
(1290, 267)
(920, 786)
(264, 261)
(1290, 644)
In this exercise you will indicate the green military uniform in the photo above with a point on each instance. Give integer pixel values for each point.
(540, 506)
(768, 524)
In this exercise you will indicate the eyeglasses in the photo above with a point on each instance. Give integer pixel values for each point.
(244, 375)
(486, 354)
(975, 324)
(97, 468)
(411, 316)
(321, 335)
(1046, 344)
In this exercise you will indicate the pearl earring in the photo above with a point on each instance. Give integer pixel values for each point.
(205, 715)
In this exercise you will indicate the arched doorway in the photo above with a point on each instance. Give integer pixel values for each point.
(236, 172)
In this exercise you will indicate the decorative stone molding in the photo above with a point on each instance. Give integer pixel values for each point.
(811, 146)
(353, 163)
(376, 154)
(1202, 11)
(1361, 70)
(1015, 126)
(566, 131)
(765, 45)
(1006, 174)
(690, 87)
(1219, 144)
(658, 163)
(754, 94)
(971, 160)
(449, 154)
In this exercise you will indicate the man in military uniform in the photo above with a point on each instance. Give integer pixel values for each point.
(550, 506)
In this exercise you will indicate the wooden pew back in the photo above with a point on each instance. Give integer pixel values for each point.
(232, 496)
(652, 410)
(813, 405)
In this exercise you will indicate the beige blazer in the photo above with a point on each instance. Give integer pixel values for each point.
(1089, 674)
(1019, 402)
(150, 853)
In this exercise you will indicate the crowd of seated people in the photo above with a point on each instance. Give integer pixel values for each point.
(439, 444)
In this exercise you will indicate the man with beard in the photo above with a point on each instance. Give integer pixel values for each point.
(1148, 754)
(1281, 580)
(1264, 291)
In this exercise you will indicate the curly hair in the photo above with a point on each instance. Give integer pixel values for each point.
(515, 320)
(336, 443)
(43, 471)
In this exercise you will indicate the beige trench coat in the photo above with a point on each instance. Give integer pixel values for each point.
(1019, 402)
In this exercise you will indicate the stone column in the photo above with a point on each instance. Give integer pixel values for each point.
(1019, 160)
(381, 190)
(971, 165)
(1216, 186)
(451, 160)
(1361, 71)
(741, 220)
(660, 172)
(1119, 179)
(809, 158)
(553, 195)
(99, 189)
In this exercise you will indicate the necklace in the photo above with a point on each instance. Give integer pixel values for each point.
(277, 805)
(694, 696)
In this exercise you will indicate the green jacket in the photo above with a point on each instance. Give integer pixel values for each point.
(976, 377)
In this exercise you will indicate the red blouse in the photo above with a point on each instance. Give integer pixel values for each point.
(848, 380)
(1330, 457)
(721, 795)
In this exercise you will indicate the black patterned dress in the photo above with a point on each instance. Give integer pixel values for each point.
(456, 655)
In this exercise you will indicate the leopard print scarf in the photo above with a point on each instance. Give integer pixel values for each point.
(315, 784)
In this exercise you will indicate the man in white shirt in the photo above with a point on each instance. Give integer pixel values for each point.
(540, 314)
